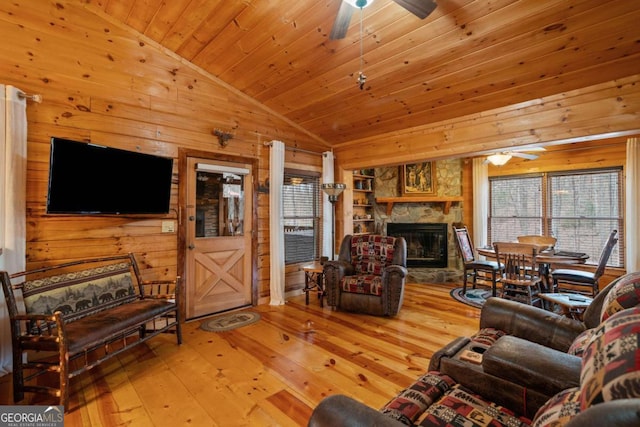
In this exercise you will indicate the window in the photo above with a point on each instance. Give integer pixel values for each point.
(579, 208)
(301, 198)
(515, 207)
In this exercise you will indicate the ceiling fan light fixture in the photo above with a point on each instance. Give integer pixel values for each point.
(360, 4)
(499, 159)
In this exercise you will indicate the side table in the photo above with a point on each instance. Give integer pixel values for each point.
(313, 279)
(571, 305)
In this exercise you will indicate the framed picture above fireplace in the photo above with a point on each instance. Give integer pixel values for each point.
(418, 179)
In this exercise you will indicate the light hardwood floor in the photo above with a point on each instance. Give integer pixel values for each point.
(271, 373)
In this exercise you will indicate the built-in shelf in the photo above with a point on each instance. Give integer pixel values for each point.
(445, 200)
(363, 195)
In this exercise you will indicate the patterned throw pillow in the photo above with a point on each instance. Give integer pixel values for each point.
(624, 294)
(611, 362)
(411, 402)
(461, 407)
(559, 410)
(581, 342)
(487, 336)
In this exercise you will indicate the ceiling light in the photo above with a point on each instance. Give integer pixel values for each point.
(361, 4)
(296, 180)
(499, 159)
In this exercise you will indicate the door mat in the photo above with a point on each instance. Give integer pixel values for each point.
(473, 297)
(230, 321)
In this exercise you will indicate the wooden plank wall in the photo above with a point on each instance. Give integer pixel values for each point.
(106, 84)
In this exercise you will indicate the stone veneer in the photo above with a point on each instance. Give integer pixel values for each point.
(448, 183)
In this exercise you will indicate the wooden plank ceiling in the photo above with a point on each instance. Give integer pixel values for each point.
(466, 57)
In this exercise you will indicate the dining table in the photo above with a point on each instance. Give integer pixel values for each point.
(547, 258)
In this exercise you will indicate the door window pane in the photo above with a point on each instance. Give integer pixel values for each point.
(219, 204)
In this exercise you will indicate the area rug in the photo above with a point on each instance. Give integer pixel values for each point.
(473, 297)
(227, 322)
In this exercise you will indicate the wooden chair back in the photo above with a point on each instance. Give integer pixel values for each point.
(606, 253)
(519, 261)
(542, 242)
(521, 280)
(464, 243)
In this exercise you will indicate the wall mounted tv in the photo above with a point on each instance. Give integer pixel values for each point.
(93, 179)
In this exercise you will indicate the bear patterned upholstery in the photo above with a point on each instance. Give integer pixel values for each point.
(625, 294)
(370, 255)
(368, 276)
(437, 400)
(611, 362)
(610, 371)
(411, 402)
(79, 294)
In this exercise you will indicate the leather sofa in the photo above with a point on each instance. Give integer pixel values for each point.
(531, 363)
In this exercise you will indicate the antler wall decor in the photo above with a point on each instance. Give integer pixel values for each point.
(223, 137)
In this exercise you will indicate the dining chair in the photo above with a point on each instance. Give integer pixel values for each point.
(581, 281)
(543, 242)
(520, 279)
(472, 265)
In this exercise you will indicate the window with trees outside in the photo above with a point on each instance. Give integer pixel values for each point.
(302, 207)
(578, 208)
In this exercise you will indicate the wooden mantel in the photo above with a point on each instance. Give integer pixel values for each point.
(447, 200)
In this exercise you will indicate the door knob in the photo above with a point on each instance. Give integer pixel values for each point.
(192, 246)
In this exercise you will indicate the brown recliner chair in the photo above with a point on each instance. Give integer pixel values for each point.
(368, 276)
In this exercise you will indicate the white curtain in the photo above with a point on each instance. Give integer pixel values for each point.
(276, 222)
(632, 196)
(13, 177)
(480, 202)
(327, 212)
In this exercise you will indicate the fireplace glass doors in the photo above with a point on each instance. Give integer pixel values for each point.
(426, 243)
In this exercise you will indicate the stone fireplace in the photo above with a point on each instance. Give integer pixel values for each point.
(448, 267)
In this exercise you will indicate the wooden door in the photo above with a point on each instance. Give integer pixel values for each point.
(218, 236)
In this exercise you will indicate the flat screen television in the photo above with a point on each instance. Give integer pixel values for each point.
(93, 179)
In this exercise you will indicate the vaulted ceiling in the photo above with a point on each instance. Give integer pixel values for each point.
(468, 56)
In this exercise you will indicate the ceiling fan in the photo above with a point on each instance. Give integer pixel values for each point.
(420, 8)
(501, 158)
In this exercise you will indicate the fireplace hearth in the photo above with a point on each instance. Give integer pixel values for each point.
(426, 243)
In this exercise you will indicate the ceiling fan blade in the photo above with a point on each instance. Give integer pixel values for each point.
(341, 23)
(523, 155)
(420, 8)
(529, 149)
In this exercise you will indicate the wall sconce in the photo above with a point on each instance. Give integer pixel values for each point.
(223, 137)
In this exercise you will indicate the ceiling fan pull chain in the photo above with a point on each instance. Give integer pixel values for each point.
(361, 77)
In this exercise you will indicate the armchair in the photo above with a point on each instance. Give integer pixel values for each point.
(368, 276)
